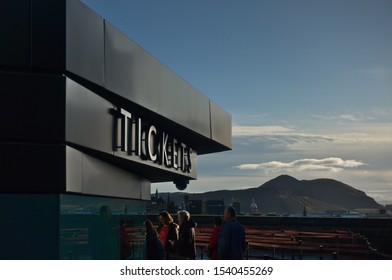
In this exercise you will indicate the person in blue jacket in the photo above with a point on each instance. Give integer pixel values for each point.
(232, 242)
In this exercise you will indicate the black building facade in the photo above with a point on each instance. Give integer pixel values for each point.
(88, 120)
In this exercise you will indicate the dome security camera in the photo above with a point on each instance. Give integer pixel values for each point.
(181, 185)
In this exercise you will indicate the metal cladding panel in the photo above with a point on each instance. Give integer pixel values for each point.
(48, 34)
(146, 190)
(101, 178)
(134, 74)
(84, 42)
(88, 175)
(88, 121)
(32, 107)
(32, 168)
(15, 33)
(74, 170)
(221, 129)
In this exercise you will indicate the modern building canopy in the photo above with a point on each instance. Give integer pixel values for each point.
(84, 109)
(88, 120)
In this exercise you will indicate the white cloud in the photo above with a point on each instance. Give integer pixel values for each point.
(347, 117)
(332, 164)
(278, 134)
(260, 130)
(373, 116)
(355, 134)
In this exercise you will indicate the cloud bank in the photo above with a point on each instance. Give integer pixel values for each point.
(260, 130)
(332, 164)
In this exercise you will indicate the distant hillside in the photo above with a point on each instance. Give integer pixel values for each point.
(286, 194)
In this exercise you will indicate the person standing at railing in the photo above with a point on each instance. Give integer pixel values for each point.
(231, 245)
(185, 246)
(167, 232)
(214, 238)
(154, 247)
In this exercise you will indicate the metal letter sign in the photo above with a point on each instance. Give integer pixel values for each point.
(137, 138)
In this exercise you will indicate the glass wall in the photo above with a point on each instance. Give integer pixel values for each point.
(29, 226)
(52, 226)
(101, 228)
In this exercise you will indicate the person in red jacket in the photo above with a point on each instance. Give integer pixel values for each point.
(213, 246)
(167, 232)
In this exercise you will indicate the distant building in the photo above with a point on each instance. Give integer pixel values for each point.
(185, 205)
(204, 207)
(382, 211)
(304, 212)
(195, 206)
(215, 206)
(254, 209)
(156, 204)
(336, 212)
(237, 205)
(170, 206)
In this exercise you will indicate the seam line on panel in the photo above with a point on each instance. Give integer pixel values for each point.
(31, 33)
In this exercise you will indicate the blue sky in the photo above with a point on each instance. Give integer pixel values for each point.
(308, 83)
